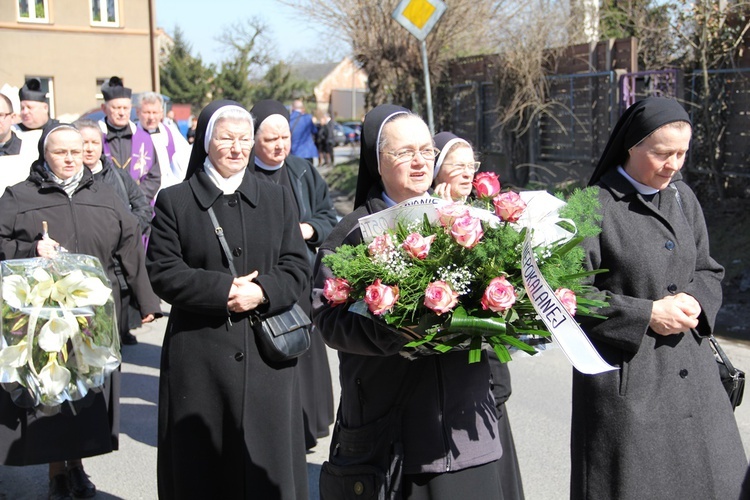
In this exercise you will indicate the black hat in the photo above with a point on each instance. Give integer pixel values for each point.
(369, 156)
(637, 122)
(114, 89)
(32, 91)
(265, 108)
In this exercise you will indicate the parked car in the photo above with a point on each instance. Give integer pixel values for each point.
(339, 137)
(356, 126)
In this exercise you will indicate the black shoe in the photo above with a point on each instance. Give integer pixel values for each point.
(79, 482)
(128, 339)
(58, 488)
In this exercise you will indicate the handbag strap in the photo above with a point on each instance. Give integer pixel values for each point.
(722, 355)
(219, 231)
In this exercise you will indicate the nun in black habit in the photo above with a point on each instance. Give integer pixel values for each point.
(661, 426)
(230, 421)
(448, 424)
(317, 217)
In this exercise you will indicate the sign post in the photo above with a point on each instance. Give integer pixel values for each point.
(419, 17)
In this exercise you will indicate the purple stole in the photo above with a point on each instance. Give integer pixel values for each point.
(141, 156)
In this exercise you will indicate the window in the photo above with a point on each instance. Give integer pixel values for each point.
(33, 11)
(104, 13)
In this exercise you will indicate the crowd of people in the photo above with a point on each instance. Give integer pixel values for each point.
(232, 223)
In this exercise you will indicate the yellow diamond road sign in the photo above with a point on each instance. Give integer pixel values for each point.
(419, 16)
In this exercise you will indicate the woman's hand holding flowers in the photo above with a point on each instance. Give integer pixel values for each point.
(47, 247)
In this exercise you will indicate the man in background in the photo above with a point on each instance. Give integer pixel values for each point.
(171, 148)
(128, 146)
(303, 132)
(34, 111)
(15, 155)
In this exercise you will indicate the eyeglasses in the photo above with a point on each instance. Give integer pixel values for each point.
(407, 155)
(228, 143)
(63, 153)
(471, 167)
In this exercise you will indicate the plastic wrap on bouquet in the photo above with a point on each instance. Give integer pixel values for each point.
(59, 332)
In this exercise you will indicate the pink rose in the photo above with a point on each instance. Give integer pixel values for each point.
(440, 297)
(380, 298)
(486, 184)
(337, 290)
(499, 295)
(467, 231)
(381, 245)
(417, 245)
(568, 299)
(509, 206)
(447, 214)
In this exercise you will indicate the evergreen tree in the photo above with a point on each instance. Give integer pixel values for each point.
(183, 77)
(279, 84)
(248, 48)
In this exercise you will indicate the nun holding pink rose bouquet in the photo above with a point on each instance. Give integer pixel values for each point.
(454, 279)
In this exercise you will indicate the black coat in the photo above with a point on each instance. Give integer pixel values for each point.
(449, 421)
(315, 208)
(661, 426)
(128, 191)
(93, 222)
(230, 422)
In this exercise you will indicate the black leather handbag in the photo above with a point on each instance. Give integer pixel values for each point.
(733, 379)
(285, 335)
(281, 336)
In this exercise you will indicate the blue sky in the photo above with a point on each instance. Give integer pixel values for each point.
(202, 21)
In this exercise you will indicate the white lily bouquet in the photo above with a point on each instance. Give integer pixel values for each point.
(59, 332)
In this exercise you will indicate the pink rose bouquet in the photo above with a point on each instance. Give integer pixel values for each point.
(455, 277)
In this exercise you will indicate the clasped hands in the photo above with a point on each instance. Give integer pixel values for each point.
(245, 294)
(674, 314)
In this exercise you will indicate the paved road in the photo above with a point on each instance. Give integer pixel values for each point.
(539, 411)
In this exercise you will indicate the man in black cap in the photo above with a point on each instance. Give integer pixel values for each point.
(15, 155)
(129, 147)
(34, 111)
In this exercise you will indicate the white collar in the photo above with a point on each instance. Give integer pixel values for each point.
(641, 188)
(228, 185)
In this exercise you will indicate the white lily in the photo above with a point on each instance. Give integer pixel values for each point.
(15, 291)
(78, 290)
(15, 356)
(93, 355)
(43, 288)
(55, 332)
(53, 378)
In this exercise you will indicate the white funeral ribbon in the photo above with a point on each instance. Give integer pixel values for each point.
(564, 329)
